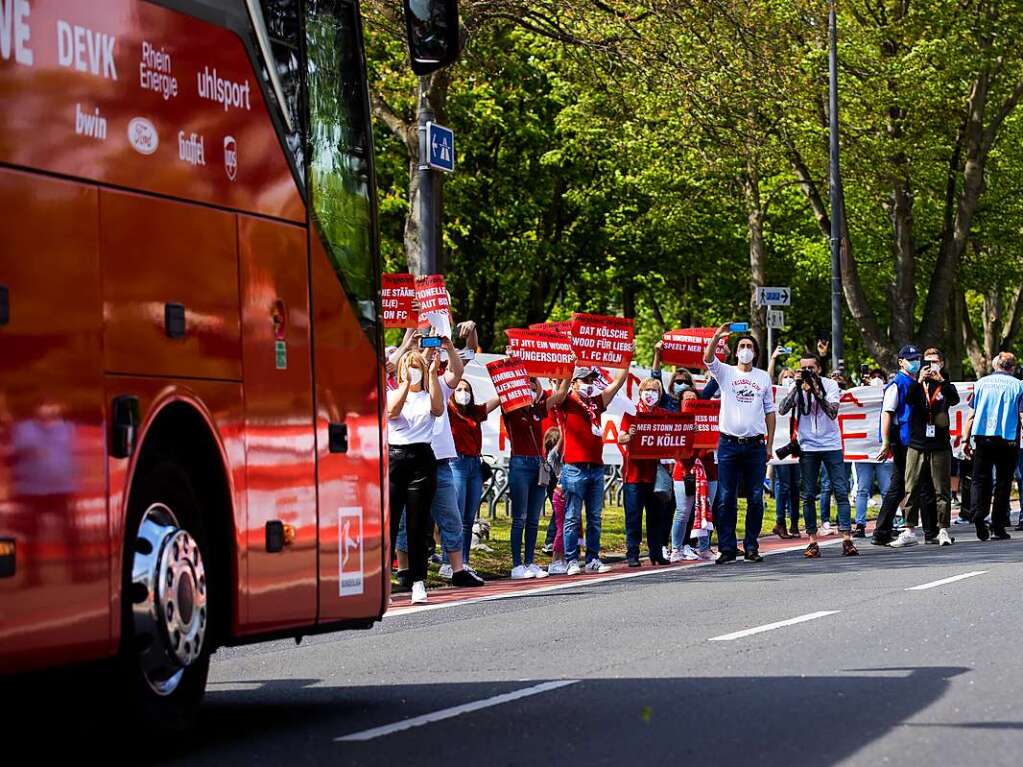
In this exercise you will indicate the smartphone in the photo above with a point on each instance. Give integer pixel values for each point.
(739, 327)
(786, 350)
(431, 342)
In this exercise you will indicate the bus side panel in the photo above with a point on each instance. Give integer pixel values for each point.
(351, 524)
(53, 506)
(279, 445)
(221, 404)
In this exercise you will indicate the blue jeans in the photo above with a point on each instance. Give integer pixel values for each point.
(637, 496)
(746, 461)
(866, 473)
(582, 483)
(684, 505)
(527, 499)
(444, 512)
(469, 488)
(833, 463)
(786, 494)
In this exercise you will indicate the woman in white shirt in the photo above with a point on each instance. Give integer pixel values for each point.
(412, 409)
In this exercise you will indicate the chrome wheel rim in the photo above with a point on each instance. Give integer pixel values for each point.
(169, 599)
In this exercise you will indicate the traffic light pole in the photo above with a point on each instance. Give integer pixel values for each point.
(837, 361)
(426, 213)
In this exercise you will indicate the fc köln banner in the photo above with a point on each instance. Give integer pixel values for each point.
(397, 295)
(685, 348)
(704, 425)
(660, 435)
(511, 383)
(565, 328)
(543, 353)
(602, 340)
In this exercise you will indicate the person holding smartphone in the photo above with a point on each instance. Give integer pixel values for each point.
(746, 425)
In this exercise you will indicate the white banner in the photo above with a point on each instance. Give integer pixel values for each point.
(858, 417)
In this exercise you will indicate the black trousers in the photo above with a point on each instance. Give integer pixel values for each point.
(412, 482)
(993, 453)
(896, 492)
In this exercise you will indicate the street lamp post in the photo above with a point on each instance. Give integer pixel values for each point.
(426, 213)
(837, 360)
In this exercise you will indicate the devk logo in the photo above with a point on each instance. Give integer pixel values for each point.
(142, 135)
(230, 157)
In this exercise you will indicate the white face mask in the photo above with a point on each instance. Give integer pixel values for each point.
(650, 397)
(877, 382)
(415, 376)
(462, 397)
(587, 390)
(788, 383)
(745, 355)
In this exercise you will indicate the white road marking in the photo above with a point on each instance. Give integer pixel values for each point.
(943, 581)
(448, 713)
(570, 583)
(772, 626)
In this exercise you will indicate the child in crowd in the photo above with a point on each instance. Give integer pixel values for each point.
(553, 445)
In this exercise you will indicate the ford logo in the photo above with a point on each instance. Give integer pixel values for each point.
(142, 135)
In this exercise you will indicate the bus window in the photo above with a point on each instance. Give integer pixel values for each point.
(284, 31)
(339, 144)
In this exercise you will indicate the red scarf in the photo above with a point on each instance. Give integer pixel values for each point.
(704, 519)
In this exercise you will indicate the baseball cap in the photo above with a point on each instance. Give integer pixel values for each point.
(910, 352)
(584, 372)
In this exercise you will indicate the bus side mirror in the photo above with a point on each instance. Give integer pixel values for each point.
(433, 36)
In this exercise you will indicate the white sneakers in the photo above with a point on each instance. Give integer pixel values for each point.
(573, 568)
(596, 566)
(557, 567)
(521, 573)
(676, 556)
(445, 572)
(537, 571)
(944, 539)
(907, 537)
(825, 529)
(689, 554)
(419, 593)
(706, 556)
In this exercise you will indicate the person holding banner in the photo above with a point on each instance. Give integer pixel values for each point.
(814, 402)
(994, 426)
(639, 475)
(746, 427)
(412, 411)
(582, 476)
(692, 483)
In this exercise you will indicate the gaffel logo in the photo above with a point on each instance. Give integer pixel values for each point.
(230, 157)
(192, 148)
(142, 135)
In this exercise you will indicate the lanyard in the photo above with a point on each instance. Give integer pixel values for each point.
(931, 399)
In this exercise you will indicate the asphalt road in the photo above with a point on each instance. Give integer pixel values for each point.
(644, 669)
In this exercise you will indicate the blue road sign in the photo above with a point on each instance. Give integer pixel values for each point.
(441, 144)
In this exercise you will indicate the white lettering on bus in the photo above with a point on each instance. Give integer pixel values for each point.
(13, 17)
(155, 71)
(90, 124)
(192, 149)
(215, 88)
(87, 51)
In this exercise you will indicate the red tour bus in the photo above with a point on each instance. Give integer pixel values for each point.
(191, 439)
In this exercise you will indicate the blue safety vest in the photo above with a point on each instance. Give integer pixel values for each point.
(902, 382)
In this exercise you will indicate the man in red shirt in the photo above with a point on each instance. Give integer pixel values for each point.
(582, 477)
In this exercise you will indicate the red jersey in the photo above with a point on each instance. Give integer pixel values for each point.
(466, 429)
(525, 428)
(578, 419)
(641, 470)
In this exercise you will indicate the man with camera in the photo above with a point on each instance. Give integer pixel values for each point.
(929, 454)
(814, 402)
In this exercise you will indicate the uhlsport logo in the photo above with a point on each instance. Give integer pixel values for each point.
(230, 157)
(142, 135)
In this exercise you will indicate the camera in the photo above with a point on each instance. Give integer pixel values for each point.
(808, 376)
(791, 449)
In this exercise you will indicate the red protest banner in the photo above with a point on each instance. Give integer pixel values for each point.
(602, 340)
(432, 295)
(397, 292)
(565, 328)
(704, 413)
(511, 382)
(542, 352)
(684, 348)
(661, 434)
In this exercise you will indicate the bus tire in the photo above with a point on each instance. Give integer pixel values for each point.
(166, 614)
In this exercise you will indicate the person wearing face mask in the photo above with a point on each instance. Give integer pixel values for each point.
(582, 476)
(466, 469)
(638, 491)
(681, 382)
(526, 486)
(746, 427)
(412, 410)
(786, 477)
(894, 433)
(687, 477)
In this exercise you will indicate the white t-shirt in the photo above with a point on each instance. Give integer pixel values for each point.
(443, 441)
(746, 398)
(890, 403)
(415, 423)
(817, 431)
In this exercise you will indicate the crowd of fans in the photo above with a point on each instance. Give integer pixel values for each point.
(437, 472)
